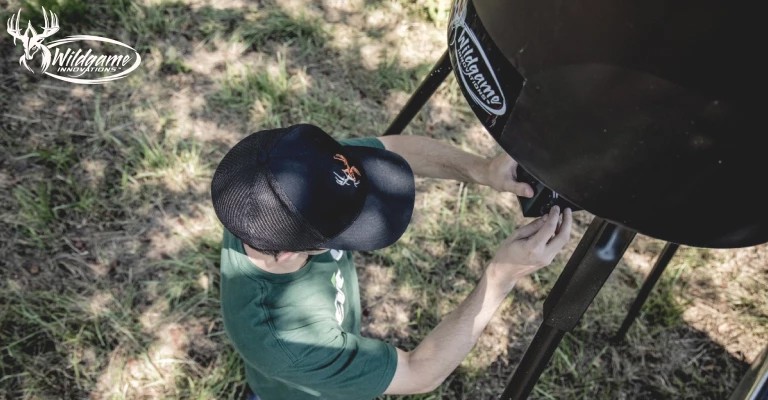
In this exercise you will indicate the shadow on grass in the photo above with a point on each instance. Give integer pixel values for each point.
(662, 357)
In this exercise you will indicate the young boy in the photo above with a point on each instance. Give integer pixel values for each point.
(294, 202)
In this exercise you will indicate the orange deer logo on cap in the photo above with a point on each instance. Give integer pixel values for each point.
(351, 174)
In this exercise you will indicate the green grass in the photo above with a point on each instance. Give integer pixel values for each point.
(36, 210)
(277, 26)
(45, 203)
(109, 282)
(239, 91)
(49, 328)
(276, 97)
(390, 76)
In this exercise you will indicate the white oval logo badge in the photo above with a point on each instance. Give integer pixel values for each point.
(71, 59)
(476, 73)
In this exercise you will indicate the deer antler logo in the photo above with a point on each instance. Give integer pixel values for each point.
(351, 174)
(33, 41)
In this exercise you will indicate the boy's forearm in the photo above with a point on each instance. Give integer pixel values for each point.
(434, 159)
(450, 342)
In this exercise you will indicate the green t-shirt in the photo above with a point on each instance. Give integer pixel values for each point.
(299, 333)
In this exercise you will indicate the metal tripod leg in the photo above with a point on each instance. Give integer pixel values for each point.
(658, 268)
(427, 88)
(597, 254)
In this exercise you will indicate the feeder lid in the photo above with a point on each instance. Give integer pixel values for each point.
(648, 114)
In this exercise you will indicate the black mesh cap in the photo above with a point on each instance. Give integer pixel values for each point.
(296, 189)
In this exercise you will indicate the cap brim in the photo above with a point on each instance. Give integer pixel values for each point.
(388, 205)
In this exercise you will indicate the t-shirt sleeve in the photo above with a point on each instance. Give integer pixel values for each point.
(363, 142)
(346, 367)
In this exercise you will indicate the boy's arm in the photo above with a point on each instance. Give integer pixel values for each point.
(528, 249)
(434, 159)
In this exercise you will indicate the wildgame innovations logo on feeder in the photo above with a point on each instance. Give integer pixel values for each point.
(83, 59)
(476, 72)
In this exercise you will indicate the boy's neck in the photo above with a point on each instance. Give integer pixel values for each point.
(284, 263)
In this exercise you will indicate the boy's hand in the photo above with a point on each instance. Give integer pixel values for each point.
(530, 248)
(502, 176)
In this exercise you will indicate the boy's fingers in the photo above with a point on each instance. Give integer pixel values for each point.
(531, 228)
(548, 229)
(562, 237)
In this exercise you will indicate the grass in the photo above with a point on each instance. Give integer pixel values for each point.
(239, 91)
(109, 278)
(274, 25)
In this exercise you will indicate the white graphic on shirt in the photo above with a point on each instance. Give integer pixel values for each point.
(338, 282)
(336, 254)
